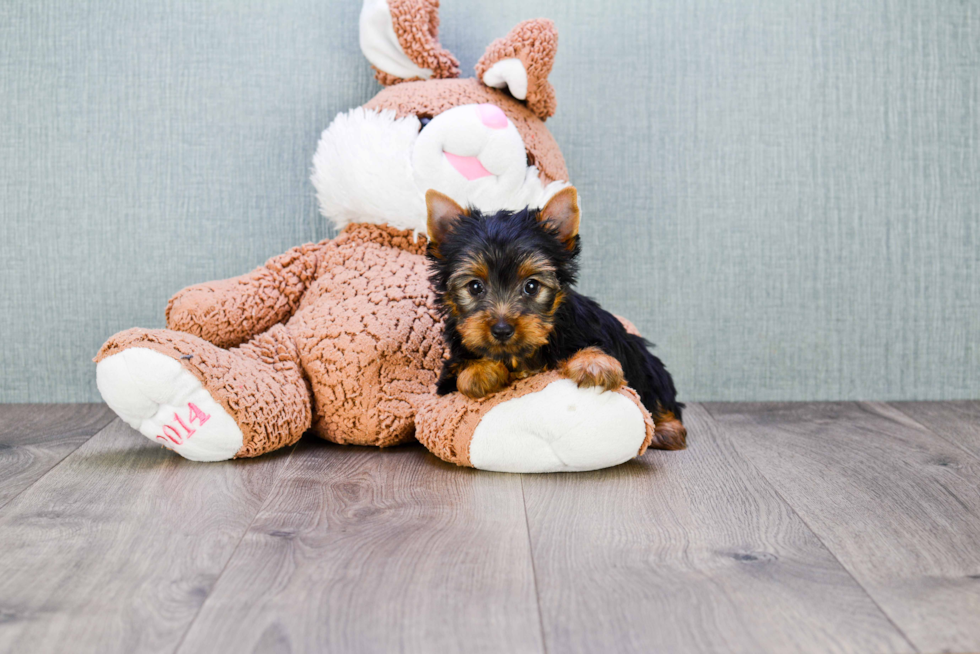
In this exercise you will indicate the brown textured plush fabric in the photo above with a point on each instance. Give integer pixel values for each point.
(350, 320)
(230, 311)
(260, 384)
(432, 97)
(416, 24)
(535, 43)
(369, 336)
(446, 424)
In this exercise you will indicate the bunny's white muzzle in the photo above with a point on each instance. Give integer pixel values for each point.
(373, 167)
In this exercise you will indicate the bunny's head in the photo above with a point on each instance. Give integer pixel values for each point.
(481, 141)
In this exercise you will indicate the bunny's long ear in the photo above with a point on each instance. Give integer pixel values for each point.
(521, 62)
(400, 39)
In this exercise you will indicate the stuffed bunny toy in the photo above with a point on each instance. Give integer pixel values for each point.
(341, 338)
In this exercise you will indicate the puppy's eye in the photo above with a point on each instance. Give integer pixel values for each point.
(531, 287)
(475, 288)
(424, 120)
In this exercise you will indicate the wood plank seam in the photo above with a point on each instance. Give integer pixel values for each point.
(111, 419)
(775, 489)
(691, 551)
(245, 532)
(932, 431)
(534, 572)
(361, 550)
(868, 443)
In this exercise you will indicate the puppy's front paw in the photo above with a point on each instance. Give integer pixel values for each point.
(593, 367)
(482, 377)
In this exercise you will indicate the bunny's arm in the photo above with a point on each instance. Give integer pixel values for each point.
(230, 311)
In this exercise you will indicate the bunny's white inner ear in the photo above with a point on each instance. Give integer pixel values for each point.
(510, 74)
(380, 44)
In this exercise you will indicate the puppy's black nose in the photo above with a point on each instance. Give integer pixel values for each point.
(502, 331)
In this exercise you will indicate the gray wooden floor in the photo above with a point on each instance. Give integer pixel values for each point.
(783, 528)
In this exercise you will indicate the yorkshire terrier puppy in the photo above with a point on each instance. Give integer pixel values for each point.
(504, 285)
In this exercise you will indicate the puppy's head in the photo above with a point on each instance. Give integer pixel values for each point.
(500, 278)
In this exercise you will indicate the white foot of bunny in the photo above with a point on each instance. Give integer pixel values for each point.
(162, 400)
(561, 428)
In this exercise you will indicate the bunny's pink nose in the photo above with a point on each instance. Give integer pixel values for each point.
(492, 116)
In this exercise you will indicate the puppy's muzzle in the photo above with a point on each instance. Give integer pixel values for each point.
(502, 331)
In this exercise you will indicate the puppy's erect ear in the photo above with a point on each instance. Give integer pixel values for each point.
(562, 213)
(443, 213)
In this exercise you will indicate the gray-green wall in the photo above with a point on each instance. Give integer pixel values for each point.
(785, 196)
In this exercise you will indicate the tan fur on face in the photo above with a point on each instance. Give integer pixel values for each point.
(475, 330)
(555, 303)
(530, 331)
(593, 367)
(473, 267)
(482, 377)
(451, 305)
(550, 296)
(535, 265)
